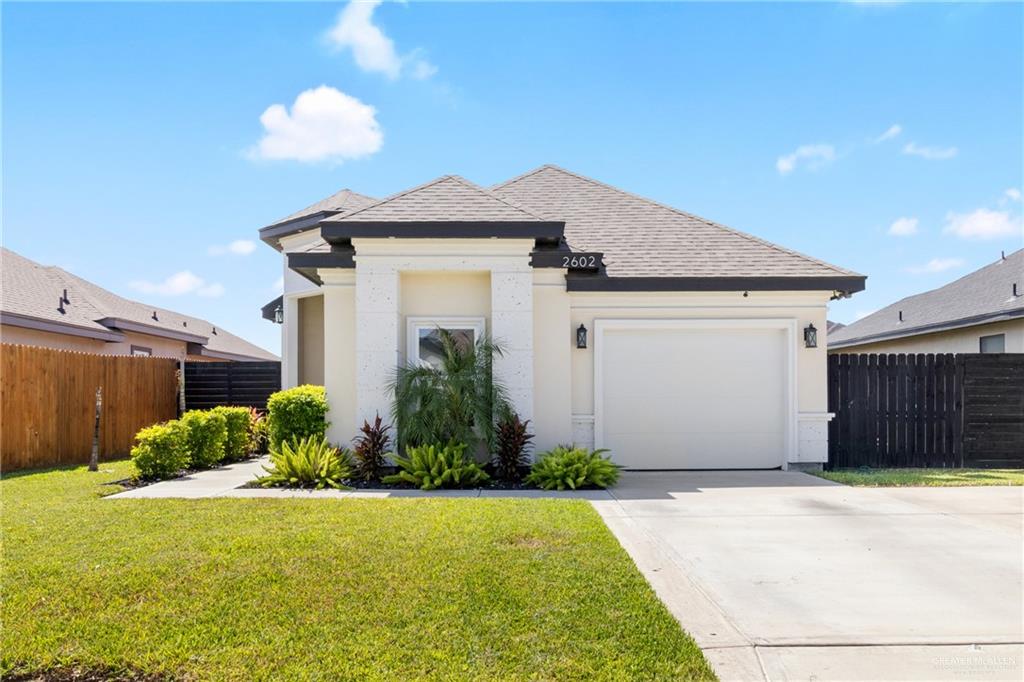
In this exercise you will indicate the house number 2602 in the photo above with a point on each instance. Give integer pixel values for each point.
(579, 261)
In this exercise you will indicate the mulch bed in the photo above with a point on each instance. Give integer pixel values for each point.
(76, 674)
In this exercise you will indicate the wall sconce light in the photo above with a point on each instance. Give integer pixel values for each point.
(279, 315)
(581, 337)
(810, 336)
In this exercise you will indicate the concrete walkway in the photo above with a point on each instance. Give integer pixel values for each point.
(225, 481)
(784, 576)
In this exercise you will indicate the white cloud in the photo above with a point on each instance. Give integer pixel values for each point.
(371, 48)
(893, 131)
(983, 224)
(239, 247)
(812, 156)
(179, 284)
(324, 124)
(930, 153)
(1013, 194)
(936, 265)
(903, 227)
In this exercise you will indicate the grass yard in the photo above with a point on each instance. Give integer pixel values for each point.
(924, 477)
(239, 589)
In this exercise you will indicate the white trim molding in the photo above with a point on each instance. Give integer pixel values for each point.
(787, 324)
(812, 439)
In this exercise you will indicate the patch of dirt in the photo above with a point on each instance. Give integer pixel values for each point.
(81, 674)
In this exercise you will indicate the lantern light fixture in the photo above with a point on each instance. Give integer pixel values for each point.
(279, 315)
(810, 336)
(581, 336)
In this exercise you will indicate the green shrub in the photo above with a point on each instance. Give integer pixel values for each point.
(370, 448)
(161, 450)
(431, 466)
(298, 412)
(511, 443)
(207, 433)
(572, 467)
(236, 445)
(307, 463)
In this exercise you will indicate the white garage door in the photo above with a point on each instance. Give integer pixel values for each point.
(686, 397)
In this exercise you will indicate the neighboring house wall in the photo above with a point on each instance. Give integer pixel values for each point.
(965, 340)
(311, 340)
(165, 348)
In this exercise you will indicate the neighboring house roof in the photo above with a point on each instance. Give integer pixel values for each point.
(983, 296)
(645, 245)
(832, 327)
(33, 296)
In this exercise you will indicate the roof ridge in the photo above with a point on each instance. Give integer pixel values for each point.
(492, 195)
(686, 214)
(396, 195)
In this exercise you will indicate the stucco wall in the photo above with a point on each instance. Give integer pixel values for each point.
(964, 340)
(311, 340)
(442, 294)
(165, 348)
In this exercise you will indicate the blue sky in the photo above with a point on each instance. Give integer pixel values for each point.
(142, 148)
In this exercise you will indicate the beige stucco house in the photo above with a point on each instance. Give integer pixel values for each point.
(50, 307)
(676, 342)
(982, 312)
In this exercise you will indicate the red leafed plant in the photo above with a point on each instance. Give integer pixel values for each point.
(370, 450)
(511, 443)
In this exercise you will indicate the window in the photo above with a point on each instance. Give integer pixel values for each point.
(142, 351)
(993, 344)
(424, 338)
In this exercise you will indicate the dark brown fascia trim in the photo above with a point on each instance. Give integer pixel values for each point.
(203, 351)
(973, 321)
(129, 326)
(267, 311)
(272, 234)
(16, 320)
(844, 284)
(340, 231)
(307, 263)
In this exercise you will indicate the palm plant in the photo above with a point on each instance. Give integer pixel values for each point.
(455, 402)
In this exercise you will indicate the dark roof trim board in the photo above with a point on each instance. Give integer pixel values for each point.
(129, 326)
(973, 321)
(844, 285)
(307, 263)
(15, 320)
(338, 232)
(271, 234)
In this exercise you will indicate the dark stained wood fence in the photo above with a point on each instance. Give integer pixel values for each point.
(926, 410)
(48, 400)
(209, 384)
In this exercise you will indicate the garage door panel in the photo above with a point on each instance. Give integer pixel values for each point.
(685, 398)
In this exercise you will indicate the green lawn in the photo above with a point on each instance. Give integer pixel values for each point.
(925, 477)
(239, 589)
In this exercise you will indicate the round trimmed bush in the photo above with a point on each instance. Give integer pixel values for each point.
(297, 413)
(207, 433)
(239, 426)
(161, 450)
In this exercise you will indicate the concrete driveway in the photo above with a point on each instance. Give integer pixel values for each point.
(786, 576)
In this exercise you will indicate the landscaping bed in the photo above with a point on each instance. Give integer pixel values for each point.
(924, 477)
(296, 589)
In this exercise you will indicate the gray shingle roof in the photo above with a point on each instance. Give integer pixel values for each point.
(985, 295)
(643, 238)
(343, 201)
(446, 199)
(33, 290)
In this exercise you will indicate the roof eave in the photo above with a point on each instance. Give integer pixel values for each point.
(341, 231)
(55, 327)
(272, 234)
(842, 284)
(308, 263)
(960, 323)
(140, 328)
(203, 351)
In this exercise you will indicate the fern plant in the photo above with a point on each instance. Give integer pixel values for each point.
(430, 467)
(370, 448)
(511, 443)
(572, 467)
(456, 402)
(307, 463)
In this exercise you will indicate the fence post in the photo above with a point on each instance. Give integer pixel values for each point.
(94, 458)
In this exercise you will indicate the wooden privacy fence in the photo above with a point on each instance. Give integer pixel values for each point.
(208, 384)
(926, 410)
(48, 402)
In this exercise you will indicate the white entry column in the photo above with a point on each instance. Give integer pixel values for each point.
(376, 331)
(512, 328)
